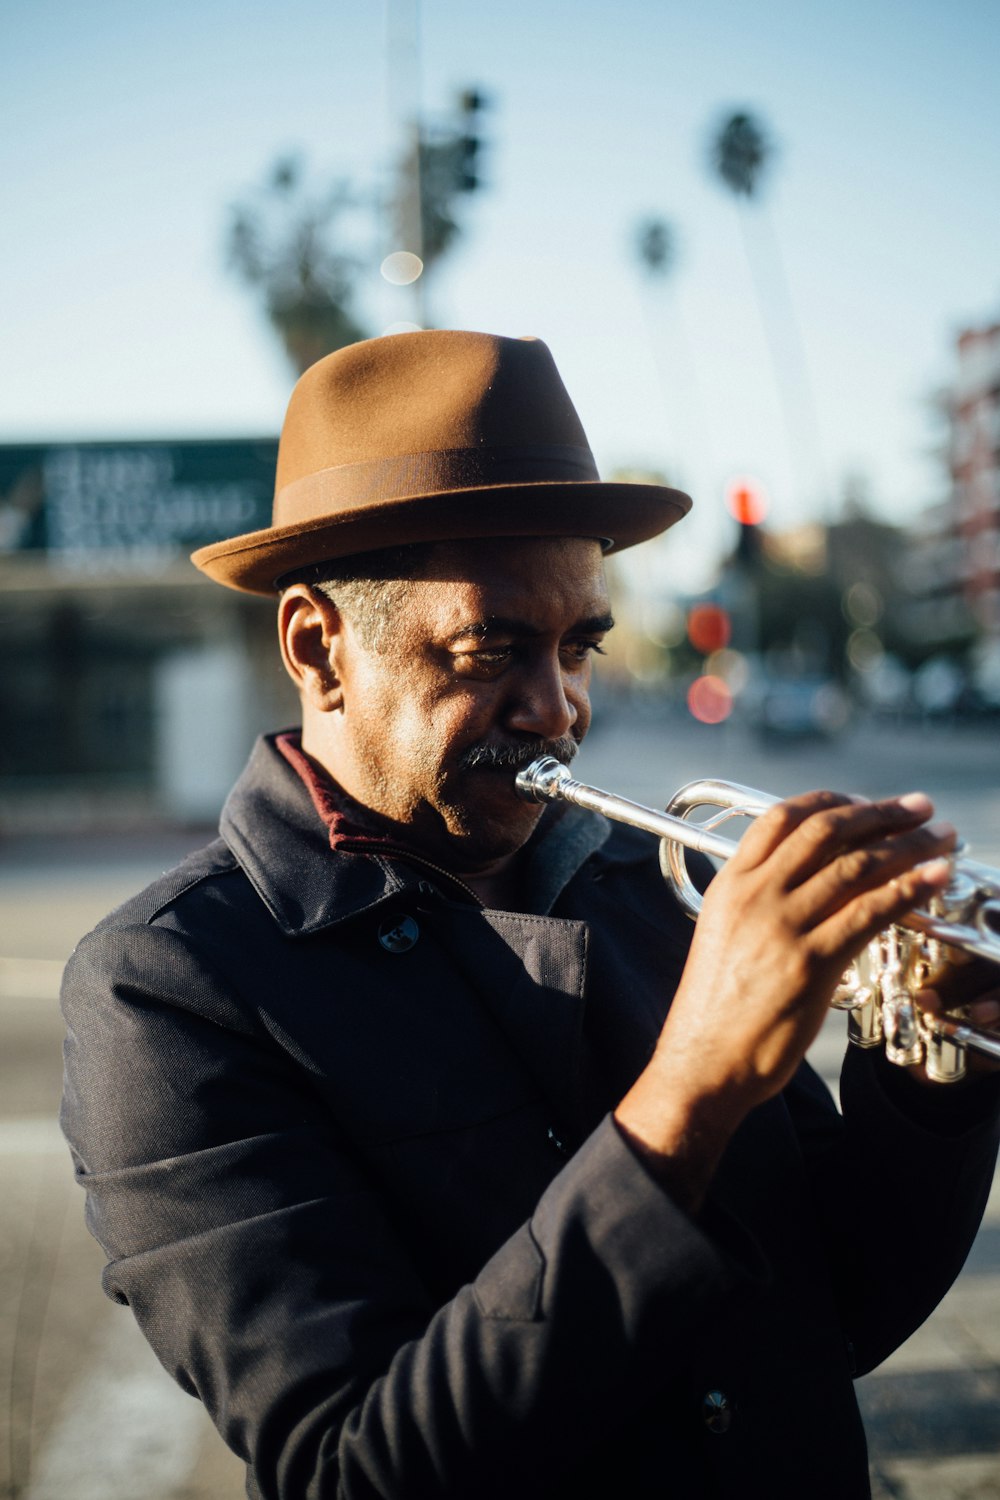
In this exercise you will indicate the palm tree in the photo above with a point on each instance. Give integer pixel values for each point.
(655, 246)
(740, 152)
(293, 247)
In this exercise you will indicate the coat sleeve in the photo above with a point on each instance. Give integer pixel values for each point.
(899, 1183)
(262, 1263)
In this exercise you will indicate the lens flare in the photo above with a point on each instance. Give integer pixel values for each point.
(709, 628)
(864, 650)
(402, 267)
(709, 700)
(732, 667)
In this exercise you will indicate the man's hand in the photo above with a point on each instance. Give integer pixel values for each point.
(814, 879)
(975, 985)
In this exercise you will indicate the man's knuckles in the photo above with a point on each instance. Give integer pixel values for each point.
(890, 861)
(860, 868)
(897, 895)
(782, 820)
(812, 829)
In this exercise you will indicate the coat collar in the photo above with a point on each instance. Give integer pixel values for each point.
(271, 824)
(282, 845)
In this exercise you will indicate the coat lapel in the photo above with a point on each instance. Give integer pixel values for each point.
(530, 973)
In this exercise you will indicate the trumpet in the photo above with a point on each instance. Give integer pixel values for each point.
(878, 990)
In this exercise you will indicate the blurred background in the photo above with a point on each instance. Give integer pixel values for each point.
(764, 247)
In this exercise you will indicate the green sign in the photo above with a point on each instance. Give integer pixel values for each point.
(140, 505)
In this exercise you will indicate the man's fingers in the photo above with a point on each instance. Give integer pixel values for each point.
(960, 978)
(856, 840)
(779, 822)
(803, 834)
(858, 920)
(983, 1013)
(984, 1010)
(870, 866)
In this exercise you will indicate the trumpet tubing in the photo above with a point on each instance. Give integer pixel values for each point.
(879, 989)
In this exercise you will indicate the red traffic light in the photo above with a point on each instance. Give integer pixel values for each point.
(746, 501)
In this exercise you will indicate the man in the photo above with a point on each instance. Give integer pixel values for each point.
(427, 1148)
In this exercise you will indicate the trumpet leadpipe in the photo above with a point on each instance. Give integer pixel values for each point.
(548, 780)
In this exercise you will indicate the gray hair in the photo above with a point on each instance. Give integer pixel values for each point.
(368, 588)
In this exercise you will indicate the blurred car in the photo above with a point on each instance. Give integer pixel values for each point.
(802, 708)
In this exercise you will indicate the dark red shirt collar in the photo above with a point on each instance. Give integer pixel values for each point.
(344, 819)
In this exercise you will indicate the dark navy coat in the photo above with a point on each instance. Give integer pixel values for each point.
(346, 1143)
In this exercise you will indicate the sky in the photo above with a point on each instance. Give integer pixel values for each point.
(798, 342)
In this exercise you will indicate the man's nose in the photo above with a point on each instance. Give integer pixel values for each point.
(546, 704)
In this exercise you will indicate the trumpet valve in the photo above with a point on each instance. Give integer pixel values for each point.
(958, 900)
(945, 1059)
(903, 1039)
(858, 993)
(864, 1023)
(852, 993)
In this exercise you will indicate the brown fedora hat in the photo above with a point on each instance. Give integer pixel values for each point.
(433, 436)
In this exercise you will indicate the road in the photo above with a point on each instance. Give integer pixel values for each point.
(85, 1411)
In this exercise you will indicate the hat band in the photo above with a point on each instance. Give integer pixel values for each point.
(412, 474)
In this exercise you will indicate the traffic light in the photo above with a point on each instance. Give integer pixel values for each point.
(471, 102)
(746, 501)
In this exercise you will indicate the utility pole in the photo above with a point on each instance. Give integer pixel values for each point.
(403, 90)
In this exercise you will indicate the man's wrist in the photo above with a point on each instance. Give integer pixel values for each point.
(678, 1135)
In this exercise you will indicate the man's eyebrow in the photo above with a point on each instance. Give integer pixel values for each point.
(508, 625)
(595, 625)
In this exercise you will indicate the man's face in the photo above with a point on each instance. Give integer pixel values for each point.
(487, 661)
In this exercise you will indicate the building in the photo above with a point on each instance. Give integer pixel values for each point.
(954, 567)
(130, 686)
(974, 463)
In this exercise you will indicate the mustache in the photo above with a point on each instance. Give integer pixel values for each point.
(514, 757)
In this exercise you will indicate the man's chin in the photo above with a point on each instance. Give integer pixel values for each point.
(491, 823)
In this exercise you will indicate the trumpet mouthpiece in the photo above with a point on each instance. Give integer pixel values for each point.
(539, 781)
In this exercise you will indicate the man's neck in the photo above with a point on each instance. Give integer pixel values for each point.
(500, 889)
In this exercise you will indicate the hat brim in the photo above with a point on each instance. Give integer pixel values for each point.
(619, 514)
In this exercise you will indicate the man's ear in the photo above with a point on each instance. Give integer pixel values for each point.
(311, 634)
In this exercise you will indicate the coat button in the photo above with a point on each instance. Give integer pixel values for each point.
(398, 934)
(717, 1411)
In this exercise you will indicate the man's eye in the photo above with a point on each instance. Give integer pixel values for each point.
(581, 650)
(493, 655)
(485, 661)
(489, 659)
